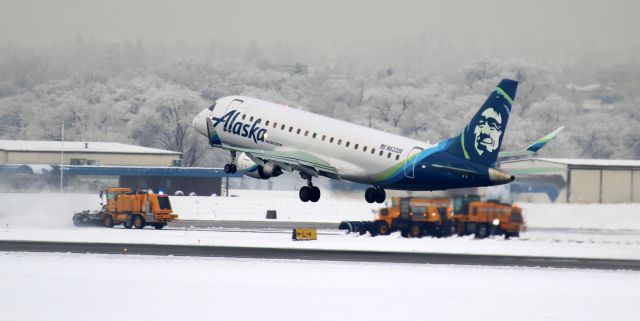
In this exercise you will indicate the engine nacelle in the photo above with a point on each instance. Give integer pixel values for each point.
(247, 166)
(251, 169)
(270, 169)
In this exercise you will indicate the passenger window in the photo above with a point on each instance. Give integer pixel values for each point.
(397, 157)
(306, 133)
(331, 140)
(373, 151)
(355, 147)
(290, 129)
(314, 135)
(339, 141)
(251, 118)
(259, 121)
(389, 155)
(282, 127)
(381, 152)
(324, 137)
(364, 149)
(266, 123)
(298, 131)
(244, 116)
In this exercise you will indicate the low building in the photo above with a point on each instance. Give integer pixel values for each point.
(91, 166)
(575, 180)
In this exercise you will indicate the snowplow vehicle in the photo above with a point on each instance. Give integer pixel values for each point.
(130, 209)
(412, 216)
(442, 217)
(485, 218)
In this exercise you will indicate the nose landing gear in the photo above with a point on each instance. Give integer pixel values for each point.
(231, 168)
(375, 194)
(309, 192)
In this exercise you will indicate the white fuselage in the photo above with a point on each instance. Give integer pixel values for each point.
(357, 152)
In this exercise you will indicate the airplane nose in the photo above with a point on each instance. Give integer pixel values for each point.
(199, 123)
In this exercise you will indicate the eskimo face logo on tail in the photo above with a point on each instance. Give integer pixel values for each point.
(251, 131)
(488, 131)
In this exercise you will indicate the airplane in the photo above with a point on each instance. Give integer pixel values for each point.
(265, 139)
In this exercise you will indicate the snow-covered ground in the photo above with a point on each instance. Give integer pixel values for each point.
(112, 287)
(586, 245)
(565, 230)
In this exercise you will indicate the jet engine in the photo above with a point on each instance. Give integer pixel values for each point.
(251, 169)
(270, 169)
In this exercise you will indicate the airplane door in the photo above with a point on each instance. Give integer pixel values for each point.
(233, 105)
(410, 164)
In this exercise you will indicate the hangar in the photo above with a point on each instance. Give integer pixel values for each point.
(575, 180)
(90, 166)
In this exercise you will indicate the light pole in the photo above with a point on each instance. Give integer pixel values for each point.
(61, 156)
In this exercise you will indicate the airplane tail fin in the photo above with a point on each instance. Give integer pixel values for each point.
(481, 139)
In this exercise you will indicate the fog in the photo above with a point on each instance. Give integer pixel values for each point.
(424, 34)
(138, 71)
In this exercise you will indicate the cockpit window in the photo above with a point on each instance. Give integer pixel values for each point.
(212, 107)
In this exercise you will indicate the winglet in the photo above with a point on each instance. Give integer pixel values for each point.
(535, 147)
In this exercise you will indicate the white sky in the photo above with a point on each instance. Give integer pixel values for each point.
(521, 28)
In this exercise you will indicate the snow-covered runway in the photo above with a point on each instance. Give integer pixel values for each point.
(110, 287)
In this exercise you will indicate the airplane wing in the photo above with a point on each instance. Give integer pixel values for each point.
(291, 160)
(532, 149)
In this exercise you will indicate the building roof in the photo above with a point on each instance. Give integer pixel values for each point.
(593, 162)
(158, 171)
(79, 147)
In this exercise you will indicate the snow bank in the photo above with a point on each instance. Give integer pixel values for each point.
(50, 209)
(582, 216)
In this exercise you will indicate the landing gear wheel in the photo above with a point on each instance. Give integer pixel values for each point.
(138, 222)
(380, 195)
(315, 194)
(108, 221)
(370, 195)
(305, 193)
(309, 192)
(415, 230)
(230, 168)
(382, 228)
(159, 226)
(128, 223)
(375, 194)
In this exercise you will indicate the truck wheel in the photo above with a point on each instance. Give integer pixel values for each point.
(481, 231)
(128, 223)
(508, 235)
(159, 226)
(415, 230)
(138, 222)
(382, 228)
(108, 221)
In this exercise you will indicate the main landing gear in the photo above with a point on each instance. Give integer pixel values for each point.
(309, 192)
(231, 167)
(375, 194)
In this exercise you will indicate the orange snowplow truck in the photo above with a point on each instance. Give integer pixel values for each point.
(136, 209)
(485, 218)
(415, 217)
